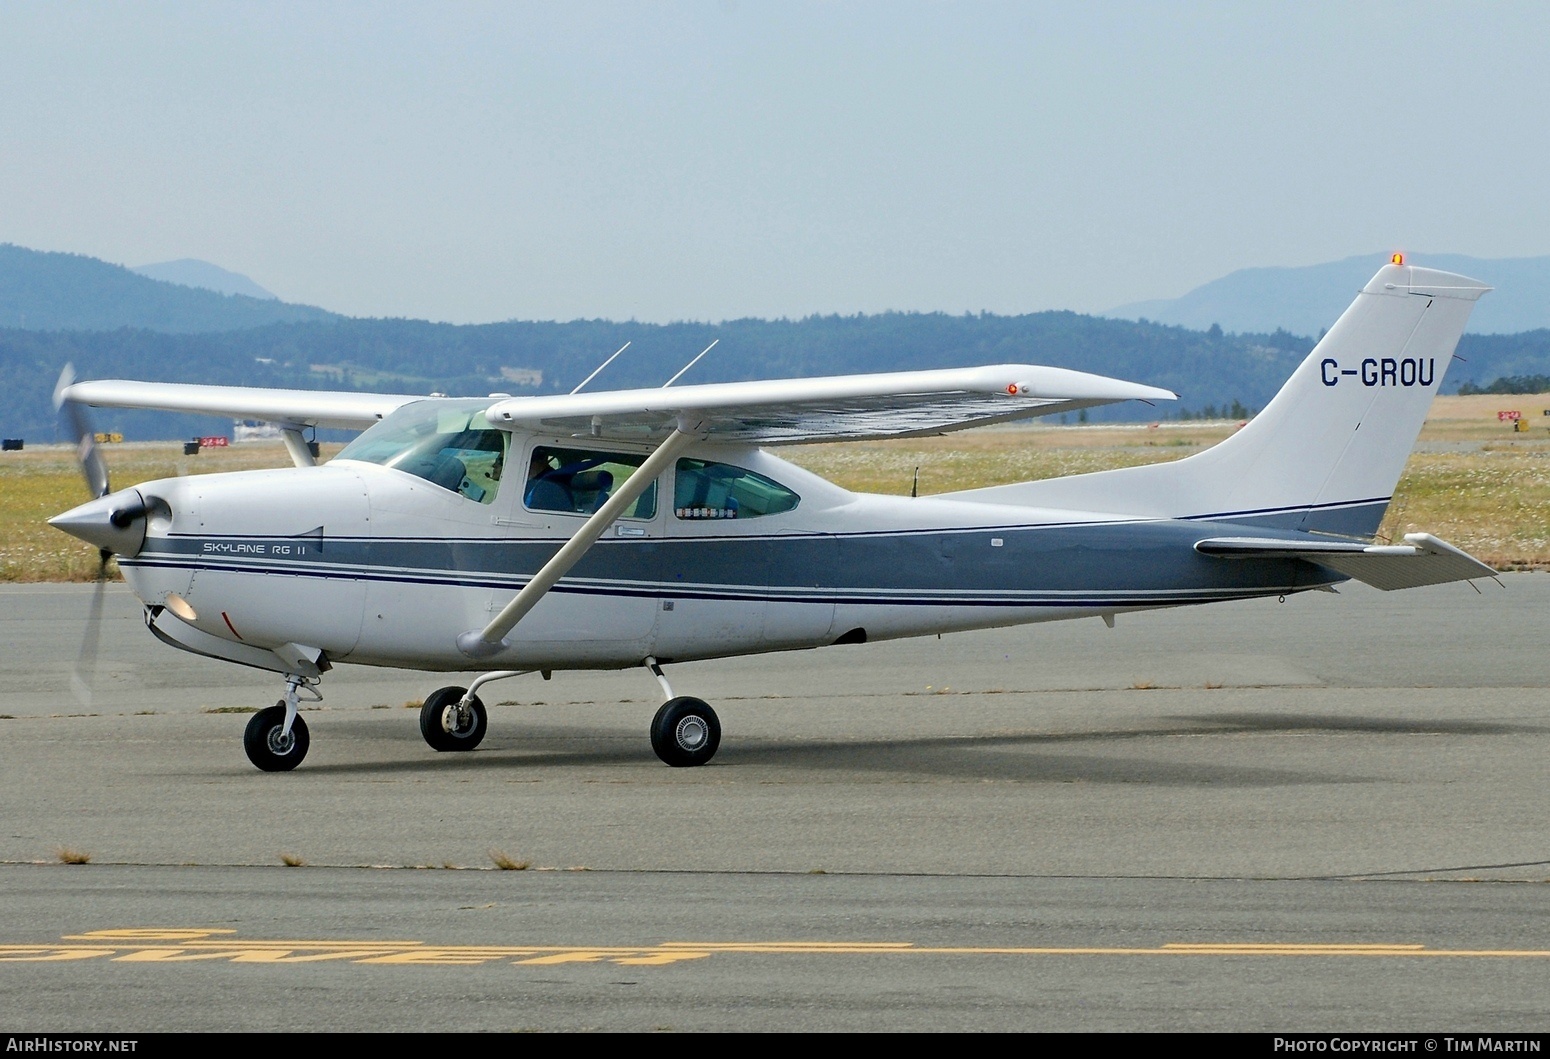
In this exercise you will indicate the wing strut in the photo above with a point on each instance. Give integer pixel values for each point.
(492, 638)
(296, 445)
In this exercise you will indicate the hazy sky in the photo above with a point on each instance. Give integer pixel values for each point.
(709, 160)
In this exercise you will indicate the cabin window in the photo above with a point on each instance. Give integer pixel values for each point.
(448, 443)
(579, 481)
(704, 490)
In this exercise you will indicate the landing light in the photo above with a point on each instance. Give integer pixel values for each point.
(179, 606)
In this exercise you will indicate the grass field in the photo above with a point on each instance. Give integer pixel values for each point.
(1472, 481)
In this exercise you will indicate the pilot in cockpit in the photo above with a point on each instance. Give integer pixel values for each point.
(545, 491)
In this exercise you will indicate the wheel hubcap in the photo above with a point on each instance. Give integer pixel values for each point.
(692, 733)
(281, 742)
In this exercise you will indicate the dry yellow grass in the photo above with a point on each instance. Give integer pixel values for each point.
(993, 457)
(1472, 481)
(40, 482)
(1495, 503)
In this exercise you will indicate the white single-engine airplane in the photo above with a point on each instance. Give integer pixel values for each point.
(632, 528)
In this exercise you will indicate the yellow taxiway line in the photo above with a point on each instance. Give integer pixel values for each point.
(179, 945)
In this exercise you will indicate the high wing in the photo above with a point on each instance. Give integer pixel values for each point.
(769, 412)
(1421, 560)
(299, 408)
(832, 408)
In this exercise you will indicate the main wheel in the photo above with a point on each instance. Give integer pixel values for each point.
(268, 748)
(445, 727)
(685, 732)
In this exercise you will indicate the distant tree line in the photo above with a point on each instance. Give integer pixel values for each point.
(1510, 384)
(1215, 374)
(1236, 410)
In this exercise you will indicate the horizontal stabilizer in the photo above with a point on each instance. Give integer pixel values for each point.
(1421, 560)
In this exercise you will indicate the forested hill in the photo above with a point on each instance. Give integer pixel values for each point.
(1210, 370)
(43, 291)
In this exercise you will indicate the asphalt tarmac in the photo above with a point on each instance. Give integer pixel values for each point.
(1328, 814)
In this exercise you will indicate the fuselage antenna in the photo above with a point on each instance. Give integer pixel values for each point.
(601, 366)
(689, 365)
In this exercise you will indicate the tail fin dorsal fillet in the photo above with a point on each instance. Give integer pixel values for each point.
(1327, 451)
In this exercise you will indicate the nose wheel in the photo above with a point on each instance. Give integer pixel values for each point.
(449, 723)
(685, 732)
(269, 745)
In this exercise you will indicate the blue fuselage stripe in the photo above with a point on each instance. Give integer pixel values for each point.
(1095, 564)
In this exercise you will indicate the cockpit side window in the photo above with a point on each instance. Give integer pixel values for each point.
(449, 445)
(579, 481)
(704, 490)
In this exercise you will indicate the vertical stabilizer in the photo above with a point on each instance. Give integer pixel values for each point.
(1327, 451)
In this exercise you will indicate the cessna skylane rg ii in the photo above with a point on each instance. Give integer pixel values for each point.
(636, 528)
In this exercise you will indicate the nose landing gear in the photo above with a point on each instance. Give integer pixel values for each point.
(276, 738)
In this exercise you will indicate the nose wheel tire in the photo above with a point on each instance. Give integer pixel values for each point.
(268, 748)
(447, 727)
(685, 732)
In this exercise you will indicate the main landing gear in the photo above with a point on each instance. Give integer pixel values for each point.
(455, 718)
(452, 719)
(684, 733)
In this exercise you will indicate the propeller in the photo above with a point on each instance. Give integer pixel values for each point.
(95, 471)
(83, 676)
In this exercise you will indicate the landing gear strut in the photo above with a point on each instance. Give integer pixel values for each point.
(686, 731)
(276, 739)
(454, 718)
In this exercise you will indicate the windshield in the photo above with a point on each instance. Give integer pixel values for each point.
(448, 443)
